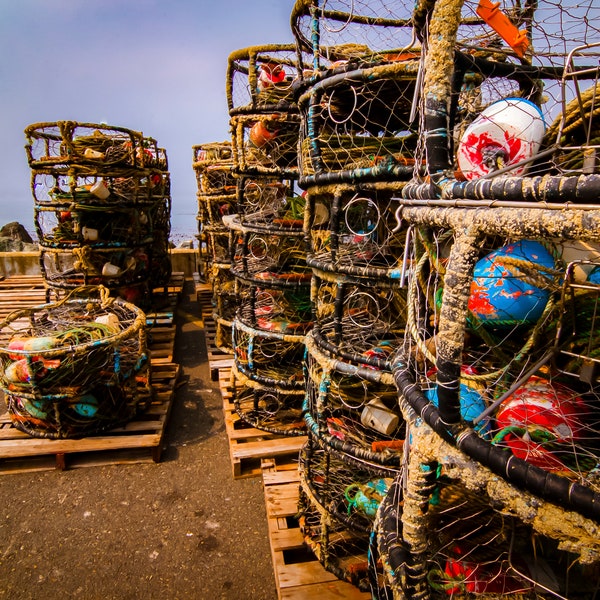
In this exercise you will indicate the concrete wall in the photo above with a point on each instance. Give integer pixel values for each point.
(28, 263)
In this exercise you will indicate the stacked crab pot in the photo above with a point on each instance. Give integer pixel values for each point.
(102, 207)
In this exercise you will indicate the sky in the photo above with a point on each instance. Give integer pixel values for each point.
(154, 66)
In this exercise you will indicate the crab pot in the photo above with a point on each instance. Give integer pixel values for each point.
(86, 265)
(264, 195)
(75, 367)
(357, 319)
(265, 144)
(459, 532)
(268, 408)
(213, 165)
(261, 78)
(337, 32)
(226, 293)
(269, 254)
(286, 310)
(86, 189)
(338, 503)
(516, 122)
(355, 231)
(212, 208)
(356, 125)
(270, 358)
(97, 147)
(352, 408)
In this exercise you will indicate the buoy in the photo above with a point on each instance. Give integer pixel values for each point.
(501, 292)
(505, 133)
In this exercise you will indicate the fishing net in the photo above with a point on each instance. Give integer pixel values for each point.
(261, 79)
(96, 147)
(508, 106)
(352, 409)
(74, 367)
(270, 358)
(358, 319)
(354, 231)
(337, 507)
(213, 166)
(268, 408)
(257, 195)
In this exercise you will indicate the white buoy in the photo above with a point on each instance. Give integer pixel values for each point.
(505, 133)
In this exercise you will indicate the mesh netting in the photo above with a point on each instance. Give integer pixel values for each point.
(354, 232)
(269, 409)
(213, 164)
(268, 357)
(358, 319)
(74, 367)
(352, 409)
(261, 78)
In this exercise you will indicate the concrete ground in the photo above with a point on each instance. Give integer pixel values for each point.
(181, 529)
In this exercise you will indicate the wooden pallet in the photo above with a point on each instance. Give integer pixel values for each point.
(217, 359)
(161, 344)
(139, 441)
(298, 573)
(248, 445)
(21, 291)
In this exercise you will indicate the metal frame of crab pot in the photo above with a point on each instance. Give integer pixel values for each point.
(334, 245)
(270, 274)
(332, 527)
(258, 405)
(469, 226)
(98, 147)
(286, 377)
(386, 453)
(336, 332)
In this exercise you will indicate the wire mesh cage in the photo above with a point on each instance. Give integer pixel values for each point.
(67, 226)
(357, 125)
(261, 78)
(460, 533)
(269, 195)
(359, 320)
(287, 310)
(354, 231)
(216, 245)
(270, 358)
(74, 367)
(507, 105)
(494, 349)
(85, 265)
(363, 32)
(212, 208)
(267, 408)
(338, 503)
(213, 166)
(265, 144)
(268, 252)
(55, 186)
(352, 409)
(91, 145)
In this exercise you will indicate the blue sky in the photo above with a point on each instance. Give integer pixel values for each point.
(156, 66)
